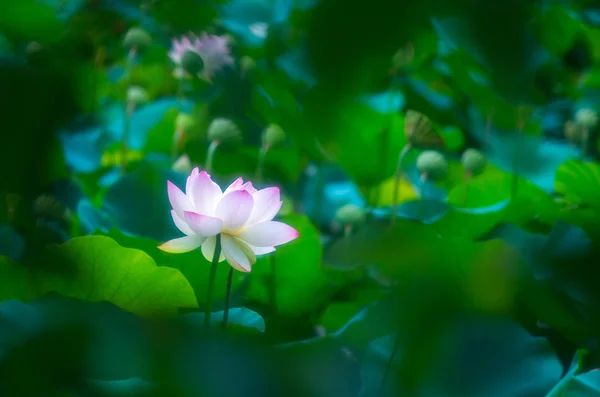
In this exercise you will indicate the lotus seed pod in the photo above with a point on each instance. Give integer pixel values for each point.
(47, 207)
(183, 164)
(586, 118)
(192, 62)
(273, 135)
(136, 96)
(221, 129)
(350, 214)
(573, 132)
(432, 164)
(247, 64)
(185, 122)
(137, 39)
(473, 161)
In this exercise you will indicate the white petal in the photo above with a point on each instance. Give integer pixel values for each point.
(235, 209)
(203, 225)
(204, 193)
(234, 186)
(261, 250)
(266, 205)
(182, 244)
(178, 200)
(268, 234)
(208, 249)
(181, 225)
(237, 254)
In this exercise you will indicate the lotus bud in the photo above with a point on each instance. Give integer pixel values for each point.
(136, 96)
(192, 62)
(137, 39)
(473, 161)
(48, 208)
(586, 118)
(573, 132)
(185, 122)
(432, 164)
(183, 164)
(273, 135)
(221, 129)
(350, 214)
(247, 64)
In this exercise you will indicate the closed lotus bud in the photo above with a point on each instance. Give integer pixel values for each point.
(273, 135)
(432, 164)
(48, 208)
(586, 118)
(247, 64)
(192, 62)
(183, 164)
(185, 122)
(221, 129)
(137, 39)
(473, 161)
(136, 96)
(350, 214)
(573, 132)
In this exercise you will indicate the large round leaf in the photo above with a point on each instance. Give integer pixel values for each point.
(579, 182)
(96, 268)
(193, 265)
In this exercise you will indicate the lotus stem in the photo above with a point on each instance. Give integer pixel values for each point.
(227, 299)
(261, 163)
(468, 176)
(422, 186)
(129, 108)
(212, 148)
(398, 176)
(211, 281)
(388, 366)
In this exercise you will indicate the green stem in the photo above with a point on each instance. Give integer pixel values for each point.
(211, 281)
(261, 163)
(398, 177)
(227, 299)
(128, 112)
(318, 193)
(467, 186)
(515, 177)
(212, 148)
(177, 136)
(422, 181)
(388, 366)
(585, 136)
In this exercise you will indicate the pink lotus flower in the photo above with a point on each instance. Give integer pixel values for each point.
(242, 214)
(214, 51)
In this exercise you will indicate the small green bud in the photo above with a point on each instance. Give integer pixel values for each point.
(350, 214)
(137, 38)
(586, 118)
(221, 129)
(433, 164)
(473, 161)
(273, 135)
(136, 96)
(192, 62)
(573, 132)
(183, 164)
(247, 64)
(185, 122)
